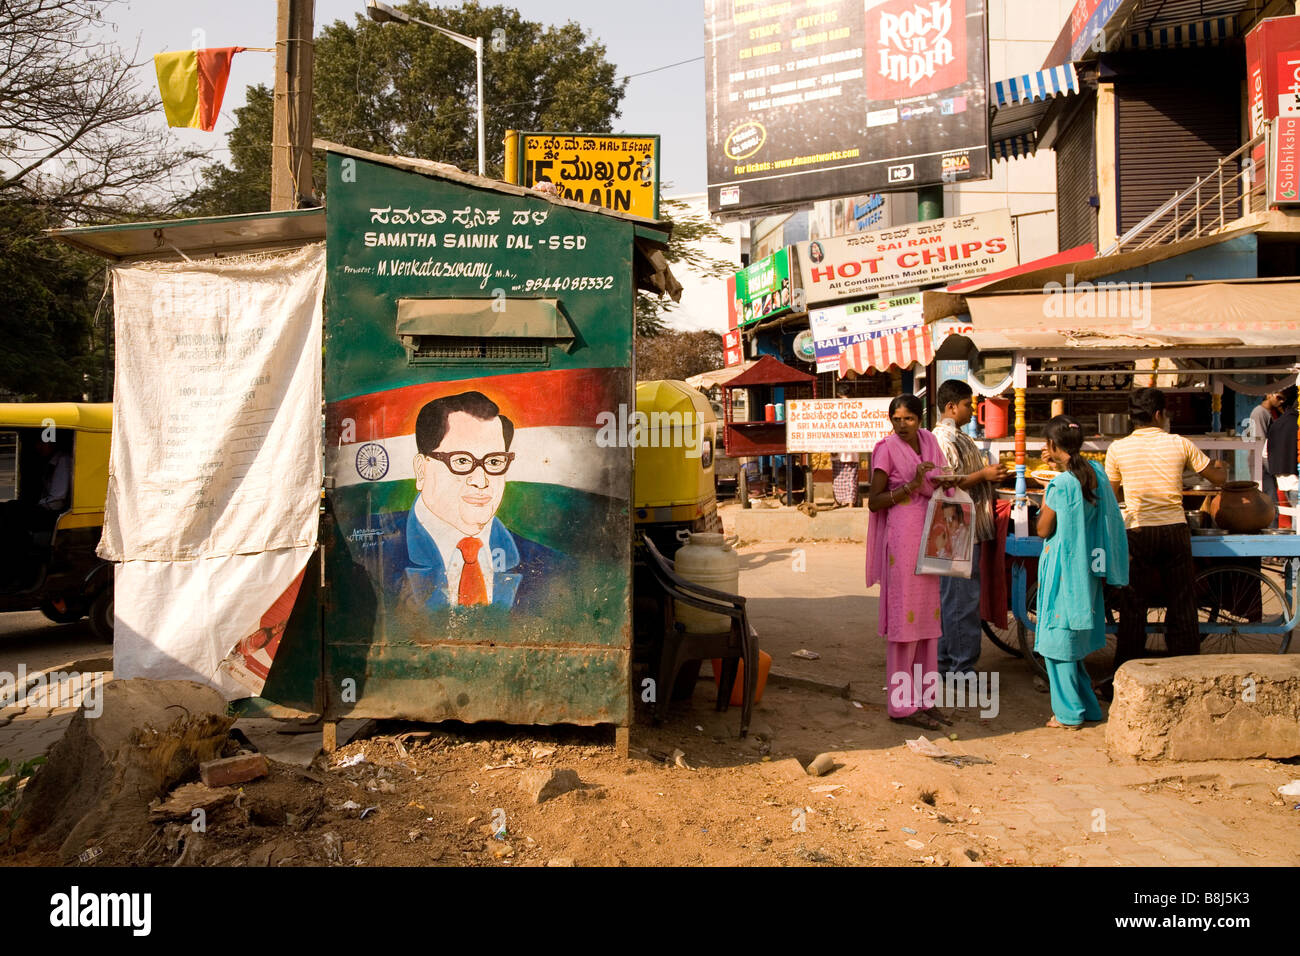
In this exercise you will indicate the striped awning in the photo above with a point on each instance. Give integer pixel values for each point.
(1013, 147)
(1017, 105)
(1028, 87)
(902, 348)
(1201, 33)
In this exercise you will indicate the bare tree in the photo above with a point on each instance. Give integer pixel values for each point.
(73, 115)
(674, 354)
(685, 249)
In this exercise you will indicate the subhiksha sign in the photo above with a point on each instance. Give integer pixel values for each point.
(1284, 163)
(923, 253)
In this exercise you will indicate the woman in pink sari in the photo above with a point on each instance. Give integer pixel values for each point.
(901, 488)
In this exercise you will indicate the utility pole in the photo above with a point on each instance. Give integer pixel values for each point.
(292, 137)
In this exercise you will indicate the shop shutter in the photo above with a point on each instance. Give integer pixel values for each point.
(1171, 135)
(1076, 180)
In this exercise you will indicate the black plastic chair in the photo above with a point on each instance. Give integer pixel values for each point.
(732, 646)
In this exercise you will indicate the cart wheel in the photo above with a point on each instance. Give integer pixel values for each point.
(1155, 642)
(1004, 637)
(72, 612)
(1025, 634)
(101, 616)
(1234, 595)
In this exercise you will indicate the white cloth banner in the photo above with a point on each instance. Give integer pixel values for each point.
(183, 620)
(216, 407)
(214, 480)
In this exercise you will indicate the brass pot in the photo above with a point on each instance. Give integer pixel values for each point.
(1242, 508)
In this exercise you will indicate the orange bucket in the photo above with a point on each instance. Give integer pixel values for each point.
(737, 692)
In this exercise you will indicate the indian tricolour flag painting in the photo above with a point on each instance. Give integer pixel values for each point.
(491, 491)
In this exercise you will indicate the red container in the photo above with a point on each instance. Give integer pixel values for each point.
(769, 413)
(738, 692)
(993, 417)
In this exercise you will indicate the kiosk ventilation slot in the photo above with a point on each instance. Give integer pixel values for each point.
(455, 348)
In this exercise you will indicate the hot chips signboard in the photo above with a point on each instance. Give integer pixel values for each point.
(923, 253)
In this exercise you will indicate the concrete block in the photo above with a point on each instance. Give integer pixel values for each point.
(1213, 707)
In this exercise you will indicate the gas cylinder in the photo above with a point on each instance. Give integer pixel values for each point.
(708, 560)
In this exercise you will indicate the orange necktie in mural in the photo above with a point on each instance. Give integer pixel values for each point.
(473, 590)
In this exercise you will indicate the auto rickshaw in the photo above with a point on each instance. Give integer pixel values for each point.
(53, 483)
(673, 495)
(673, 491)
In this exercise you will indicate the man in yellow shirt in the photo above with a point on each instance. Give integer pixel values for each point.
(1146, 472)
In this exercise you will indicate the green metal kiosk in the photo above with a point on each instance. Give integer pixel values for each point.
(478, 551)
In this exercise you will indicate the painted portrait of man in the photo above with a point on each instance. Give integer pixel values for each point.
(452, 550)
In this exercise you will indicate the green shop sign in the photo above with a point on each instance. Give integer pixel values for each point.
(761, 290)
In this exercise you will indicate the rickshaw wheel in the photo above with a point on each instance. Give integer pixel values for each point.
(1236, 595)
(101, 616)
(71, 613)
(1004, 637)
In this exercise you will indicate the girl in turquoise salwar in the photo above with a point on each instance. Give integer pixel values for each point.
(1084, 547)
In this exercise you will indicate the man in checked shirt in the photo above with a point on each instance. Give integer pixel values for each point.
(959, 598)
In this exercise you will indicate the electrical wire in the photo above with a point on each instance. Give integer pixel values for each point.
(545, 99)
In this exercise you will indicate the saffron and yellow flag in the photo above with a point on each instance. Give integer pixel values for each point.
(192, 84)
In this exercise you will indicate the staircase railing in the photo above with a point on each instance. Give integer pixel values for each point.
(1210, 203)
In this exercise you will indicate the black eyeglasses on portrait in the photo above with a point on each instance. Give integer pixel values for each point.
(463, 463)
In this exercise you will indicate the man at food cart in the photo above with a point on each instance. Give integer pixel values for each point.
(959, 643)
(1280, 451)
(1262, 417)
(1146, 472)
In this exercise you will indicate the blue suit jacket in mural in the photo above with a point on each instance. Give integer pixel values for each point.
(523, 570)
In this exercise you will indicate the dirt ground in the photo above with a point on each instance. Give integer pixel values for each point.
(1045, 797)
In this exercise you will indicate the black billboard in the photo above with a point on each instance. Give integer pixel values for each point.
(812, 99)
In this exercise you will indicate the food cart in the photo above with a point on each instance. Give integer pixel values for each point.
(1193, 340)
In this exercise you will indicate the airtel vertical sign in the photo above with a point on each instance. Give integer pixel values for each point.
(1272, 75)
(814, 99)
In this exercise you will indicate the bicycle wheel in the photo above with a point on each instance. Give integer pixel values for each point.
(1241, 596)
(1097, 663)
(1155, 637)
(1025, 634)
(1004, 637)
